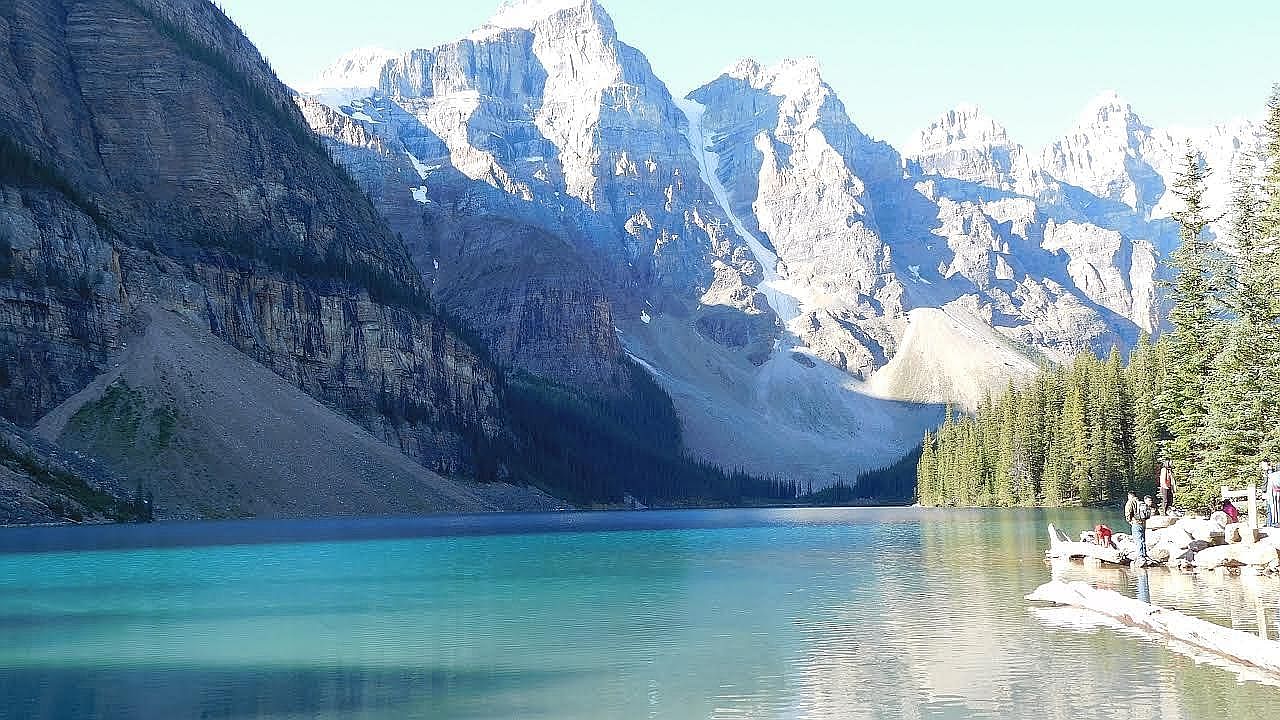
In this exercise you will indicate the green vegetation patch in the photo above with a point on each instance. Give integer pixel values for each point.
(122, 425)
(74, 488)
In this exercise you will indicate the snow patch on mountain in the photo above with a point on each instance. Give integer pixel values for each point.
(525, 14)
(354, 75)
(782, 296)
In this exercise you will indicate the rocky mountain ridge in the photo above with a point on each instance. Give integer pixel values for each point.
(124, 193)
(749, 238)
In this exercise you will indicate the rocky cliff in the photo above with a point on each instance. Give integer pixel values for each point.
(545, 117)
(151, 160)
(808, 295)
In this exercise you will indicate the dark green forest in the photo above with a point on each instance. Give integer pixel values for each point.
(1204, 396)
(596, 450)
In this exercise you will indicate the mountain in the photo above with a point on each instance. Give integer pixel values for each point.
(966, 144)
(808, 296)
(190, 285)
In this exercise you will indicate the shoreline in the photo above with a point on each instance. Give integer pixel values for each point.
(568, 509)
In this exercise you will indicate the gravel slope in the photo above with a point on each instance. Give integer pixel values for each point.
(213, 434)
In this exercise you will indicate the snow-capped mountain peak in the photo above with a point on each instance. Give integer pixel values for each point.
(358, 68)
(789, 77)
(525, 14)
(1111, 111)
(967, 144)
(355, 74)
(758, 225)
(966, 125)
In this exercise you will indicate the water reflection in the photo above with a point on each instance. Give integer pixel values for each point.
(1244, 602)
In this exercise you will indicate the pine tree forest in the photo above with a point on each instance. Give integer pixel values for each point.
(1204, 396)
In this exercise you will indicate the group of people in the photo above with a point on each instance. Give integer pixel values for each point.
(1138, 511)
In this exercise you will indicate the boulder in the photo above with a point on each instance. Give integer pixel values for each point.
(1127, 547)
(1160, 522)
(1221, 518)
(1237, 555)
(1242, 533)
(1172, 536)
(1209, 531)
(1160, 554)
(1232, 531)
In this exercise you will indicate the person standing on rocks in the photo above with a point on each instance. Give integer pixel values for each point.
(1137, 512)
(1166, 488)
(1272, 474)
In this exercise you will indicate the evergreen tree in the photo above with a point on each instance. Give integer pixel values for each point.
(1142, 379)
(1239, 388)
(1268, 251)
(926, 471)
(1074, 434)
(1183, 398)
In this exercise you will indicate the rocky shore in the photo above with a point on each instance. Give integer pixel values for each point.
(1189, 543)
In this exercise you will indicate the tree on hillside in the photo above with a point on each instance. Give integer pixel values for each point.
(1268, 250)
(1190, 344)
(1239, 387)
(1142, 379)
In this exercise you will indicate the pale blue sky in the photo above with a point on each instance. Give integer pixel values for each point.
(897, 64)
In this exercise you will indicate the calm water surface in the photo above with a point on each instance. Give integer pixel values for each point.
(715, 614)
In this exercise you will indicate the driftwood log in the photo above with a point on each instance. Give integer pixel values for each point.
(1062, 547)
(1234, 645)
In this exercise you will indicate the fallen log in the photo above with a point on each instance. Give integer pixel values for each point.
(1062, 547)
(1234, 645)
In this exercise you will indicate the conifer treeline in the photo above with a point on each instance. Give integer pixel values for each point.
(1206, 396)
(1075, 435)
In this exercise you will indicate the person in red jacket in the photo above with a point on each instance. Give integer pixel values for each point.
(1102, 535)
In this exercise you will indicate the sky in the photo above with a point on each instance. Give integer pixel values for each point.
(896, 64)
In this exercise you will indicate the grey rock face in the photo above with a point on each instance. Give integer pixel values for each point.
(546, 118)
(529, 294)
(211, 198)
(967, 145)
(863, 238)
(1103, 198)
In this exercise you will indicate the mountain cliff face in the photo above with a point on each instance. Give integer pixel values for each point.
(545, 118)
(808, 295)
(151, 161)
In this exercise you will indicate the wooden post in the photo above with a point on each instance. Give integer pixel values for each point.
(1253, 509)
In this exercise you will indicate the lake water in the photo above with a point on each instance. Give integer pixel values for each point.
(701, 614)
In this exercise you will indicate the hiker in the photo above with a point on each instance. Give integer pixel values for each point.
(1137, 512)
(1231, 510)
(1166, 488)
(1272, 487)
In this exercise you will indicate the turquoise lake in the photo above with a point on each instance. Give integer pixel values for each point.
(858, 613)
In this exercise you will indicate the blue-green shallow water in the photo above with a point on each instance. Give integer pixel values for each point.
(715, 614)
